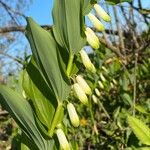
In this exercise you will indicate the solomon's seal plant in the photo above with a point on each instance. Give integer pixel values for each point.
(51, 75)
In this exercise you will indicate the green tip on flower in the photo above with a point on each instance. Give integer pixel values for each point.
(62, 139)
(86, 61)
(97, 92)
(80, 94)
(93, 70)
(94, 98)
(73, 115)
(101, 84)
(101, 12)
(97, 24)
(92, 39)
(102, 77)
(24, 94)
(83, 84)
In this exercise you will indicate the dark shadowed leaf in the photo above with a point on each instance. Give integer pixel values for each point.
(41, 96)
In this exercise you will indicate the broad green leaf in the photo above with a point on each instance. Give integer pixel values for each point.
(36, 88)
(114, 2)
(22, 113)
(68, 25)
(45, 52)
(141, 131)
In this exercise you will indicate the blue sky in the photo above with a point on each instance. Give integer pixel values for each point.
(40, 11)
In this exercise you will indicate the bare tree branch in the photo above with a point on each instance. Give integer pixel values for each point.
(18, 28)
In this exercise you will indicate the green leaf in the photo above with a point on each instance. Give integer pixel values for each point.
(45, 52)
(127, 98)
(143, 148)
(22, 113)
(141, 109)
(36, 88)
(59, 114)
(141, 131)
(114, 2)
(68, 25)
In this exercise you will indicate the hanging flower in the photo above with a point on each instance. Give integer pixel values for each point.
(97, 24)
(104, 68)
(94, 98)
(102, 77)
(73, 115)
(112, 85)
(83, 85)
(80, 93)
(101, 12)
(97, 92)
(62, 139)
(86, 61)
(114, 81)
(101, 84)
(92, 39)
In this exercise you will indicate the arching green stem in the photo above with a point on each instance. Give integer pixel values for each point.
(57, 119)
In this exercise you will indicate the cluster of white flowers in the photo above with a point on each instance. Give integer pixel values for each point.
(81, 88)
(92, 39)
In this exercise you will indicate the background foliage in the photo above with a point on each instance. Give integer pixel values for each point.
(123, 60)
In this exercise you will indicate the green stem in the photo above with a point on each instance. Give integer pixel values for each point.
(92, 117)
(56, 120)
(103, 108)
(69, 66)
(135, 83)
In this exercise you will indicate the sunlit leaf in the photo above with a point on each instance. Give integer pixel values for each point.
(68, 24)
(141, 131)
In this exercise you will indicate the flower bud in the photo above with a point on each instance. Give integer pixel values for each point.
(92, 38)
(62, 139)
(80, 93)
(114, 81)
(94, 98)
(73, 115)
(83, 85)
(97, 92)
(87, 62)
(97, 24)
(112, 85)
(101, 84)
(105, 69)
(102, 77)
(101, 12)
